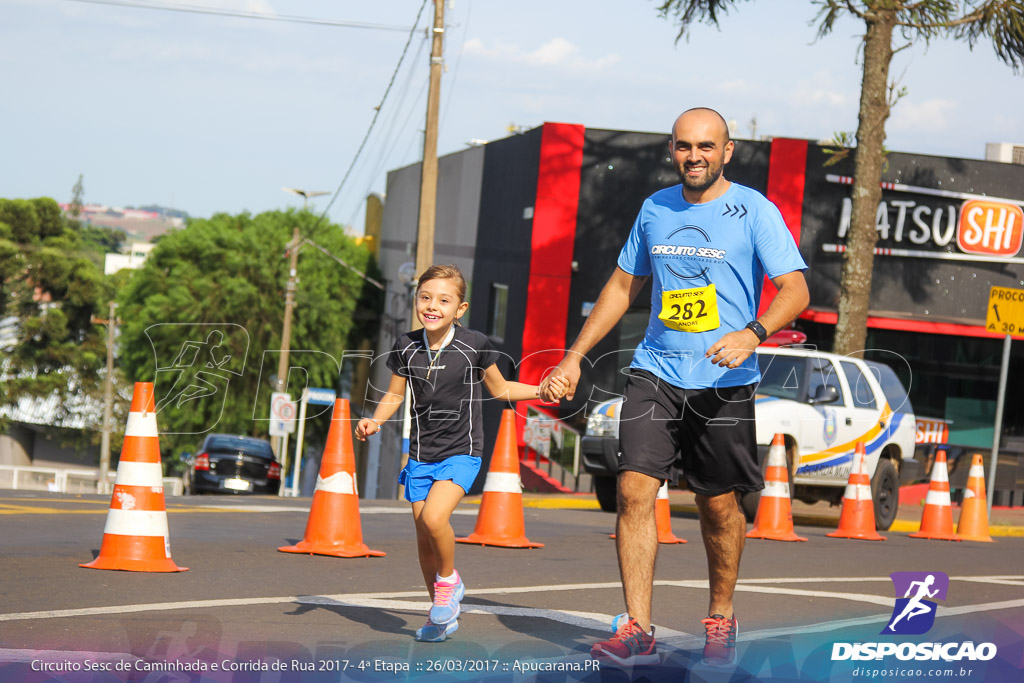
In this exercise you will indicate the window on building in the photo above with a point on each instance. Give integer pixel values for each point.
(499, 311)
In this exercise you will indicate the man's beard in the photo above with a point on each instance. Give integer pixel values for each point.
(711, 175)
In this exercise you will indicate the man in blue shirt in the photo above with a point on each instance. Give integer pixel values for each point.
(707, 245)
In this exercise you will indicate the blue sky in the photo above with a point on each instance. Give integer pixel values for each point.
(211, 113)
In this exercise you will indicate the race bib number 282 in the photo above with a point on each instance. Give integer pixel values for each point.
(690, 310)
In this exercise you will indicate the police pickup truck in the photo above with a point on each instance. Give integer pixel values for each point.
(824, 405)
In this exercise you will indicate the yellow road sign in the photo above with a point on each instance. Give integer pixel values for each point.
(1005, 313)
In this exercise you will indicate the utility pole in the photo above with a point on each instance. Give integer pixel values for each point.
(286, 330)
(428, 184)
(108, 398)
(428, 178)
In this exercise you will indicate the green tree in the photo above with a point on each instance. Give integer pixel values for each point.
(49, 287)
(77, 194)
(102, 240)
(1000, 22)
(208, 306)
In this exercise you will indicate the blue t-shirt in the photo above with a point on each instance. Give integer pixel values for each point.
(731, 242)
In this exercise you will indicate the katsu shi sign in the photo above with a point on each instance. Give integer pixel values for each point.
(990, 228)
(982, 228)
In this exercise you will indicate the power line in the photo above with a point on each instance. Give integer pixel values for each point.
(192, 9)
(385, 158)
(376, 115)
(384, 131)
(386, 136)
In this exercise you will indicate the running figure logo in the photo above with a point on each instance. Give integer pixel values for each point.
(195, 363)
(913, 613)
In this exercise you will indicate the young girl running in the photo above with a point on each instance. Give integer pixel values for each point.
(446, 364)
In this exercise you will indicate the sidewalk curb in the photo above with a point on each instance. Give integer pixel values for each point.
(899, 526)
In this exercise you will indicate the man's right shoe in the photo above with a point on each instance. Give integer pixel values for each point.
(447, 600)
(720, 640)
(629, 646)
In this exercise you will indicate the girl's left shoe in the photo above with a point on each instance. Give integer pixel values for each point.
(436, 633)
(447, 600)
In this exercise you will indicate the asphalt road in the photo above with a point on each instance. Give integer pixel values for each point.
(273, 616)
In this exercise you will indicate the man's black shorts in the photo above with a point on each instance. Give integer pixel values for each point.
(708, 433)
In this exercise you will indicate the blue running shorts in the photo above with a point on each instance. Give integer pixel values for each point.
(417, 477)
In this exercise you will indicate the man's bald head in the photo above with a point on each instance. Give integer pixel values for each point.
(704, 115)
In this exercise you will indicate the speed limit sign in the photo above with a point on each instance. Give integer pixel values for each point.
(282, 414)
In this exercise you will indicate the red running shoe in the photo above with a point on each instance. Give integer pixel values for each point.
(629, 646)
(720, 640)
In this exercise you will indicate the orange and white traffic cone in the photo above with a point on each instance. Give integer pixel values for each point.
(663, 518)
(333, 527)
(937, 520)
(774, 519)
(135, 537)
(857, 519)
(500, 521)
(973, 524)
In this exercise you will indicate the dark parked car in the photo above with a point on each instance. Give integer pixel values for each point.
(227, 463)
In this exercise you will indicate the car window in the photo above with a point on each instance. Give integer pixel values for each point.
(782, 376)
(863, 397)
(233, 443)
(823, 372)
(892, 387)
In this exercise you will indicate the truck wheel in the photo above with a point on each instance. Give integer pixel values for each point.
(604, 487)
(885, 494)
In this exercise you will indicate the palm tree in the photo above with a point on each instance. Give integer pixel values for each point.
(1001, 22)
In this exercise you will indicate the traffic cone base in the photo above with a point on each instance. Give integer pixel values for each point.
(973, 524)
(774, 518)
(136, 537)
(937, 519)
(135, 554)
(333, 527)
(500, 521)
(857, 520)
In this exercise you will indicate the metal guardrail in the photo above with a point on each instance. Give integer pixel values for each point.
(66, 480)
(552, 438)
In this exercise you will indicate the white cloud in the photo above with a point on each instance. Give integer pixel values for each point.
(927, 116)
(557, 52)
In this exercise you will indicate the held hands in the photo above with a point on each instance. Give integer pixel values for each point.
(561, 381)
(366, 427)
(732, 349)
(553, 387)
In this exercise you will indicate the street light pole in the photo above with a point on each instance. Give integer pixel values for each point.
(286, 329)
(305, 194)
(428, 177)
(289, 303)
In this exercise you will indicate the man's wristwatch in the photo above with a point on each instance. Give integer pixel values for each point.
(758, 329)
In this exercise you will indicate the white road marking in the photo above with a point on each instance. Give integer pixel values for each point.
(1001, 582)
(589, 620)
(853, 597)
